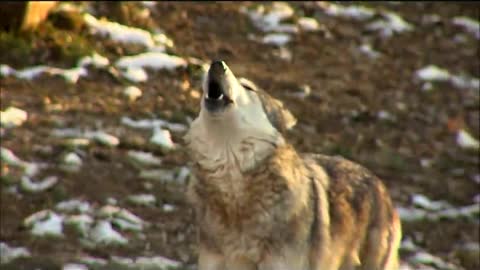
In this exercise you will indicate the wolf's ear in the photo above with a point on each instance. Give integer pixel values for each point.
(247, 84)
(279, 116)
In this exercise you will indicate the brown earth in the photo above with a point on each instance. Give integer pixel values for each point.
(340, 117)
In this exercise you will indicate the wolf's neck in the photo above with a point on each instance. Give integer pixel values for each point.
(224, 149)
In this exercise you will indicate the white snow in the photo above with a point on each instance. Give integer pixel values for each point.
(308, 24)
(103, 233)
(99, 136)
(132, 93)
(74, 205)
(276, 39)
(432, 73)
(467, 141)
(70, 75)
(95, 60)
(158, 175)
(30, 73)
(72, 159)
(354, 12)
(8, 253)
(129, 216)
(142, 199)
(168, 207)
(157, 262)
(469, 25)
(413, 214)
(149, 4)
(385, 115)
(425, 203)
(27, 184)
(29, 168)
(92, 260)
(135, 74)
(465, 82)
(109, 211)
(74, 266)
(125, 225)
(102, 137)
(144, 158)
(269, 18)
(152, 124)
(6, 70)
(45, 223)
(13, 117)
(119, 32)
(408, 245)
(429, 259)
(368, 51)
(155, 60)
(82, 223)
(390, 24)
(163, 138)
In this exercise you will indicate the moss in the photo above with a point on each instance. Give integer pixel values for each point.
(13, 48)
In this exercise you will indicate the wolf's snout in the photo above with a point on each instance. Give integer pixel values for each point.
(217, 68)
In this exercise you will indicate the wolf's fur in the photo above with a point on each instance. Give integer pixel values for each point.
(262, 206)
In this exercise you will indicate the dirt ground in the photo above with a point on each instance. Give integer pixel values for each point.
(348, 88)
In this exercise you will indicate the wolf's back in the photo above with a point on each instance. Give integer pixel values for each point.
(363, 222)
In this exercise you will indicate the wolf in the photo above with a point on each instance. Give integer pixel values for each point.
(261, 205)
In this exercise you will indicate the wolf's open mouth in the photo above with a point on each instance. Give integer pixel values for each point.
(214, 90)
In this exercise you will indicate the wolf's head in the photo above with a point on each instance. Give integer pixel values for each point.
(234, 116)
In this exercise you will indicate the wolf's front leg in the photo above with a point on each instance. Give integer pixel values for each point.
(209, 260)
(289, 261)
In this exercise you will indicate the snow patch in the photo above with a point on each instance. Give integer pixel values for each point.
(469, 25)
(74, 205)
(269, 18)
(8, 253)
(142, 199)
(74, 266)
(467, 141)
(132, 93)
(157, 262)
(155, 60)
(45, 223)
(368, 51)
(27, 184)
(72, 159)
(95, 60)
(359, 13)
(162, 138)
(426, 258)
(144, 158)
(390, 24)
(135, 74)
(308, 24)
(103, 233)
(70, 75)
(82, 223)
(152, 124)
(119, 32)
(434, 73)
(276, 39)
(13, 117)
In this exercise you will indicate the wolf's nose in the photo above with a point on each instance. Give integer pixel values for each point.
(218, 67)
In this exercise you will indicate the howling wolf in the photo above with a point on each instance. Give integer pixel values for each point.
(260, 205)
